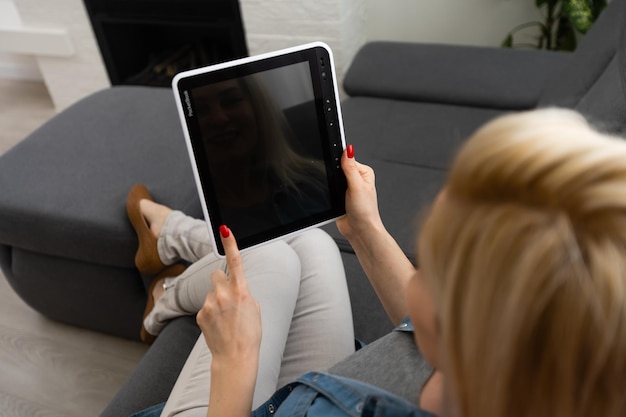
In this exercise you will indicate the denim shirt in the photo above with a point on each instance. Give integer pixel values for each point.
(318, 394)
(405, 326)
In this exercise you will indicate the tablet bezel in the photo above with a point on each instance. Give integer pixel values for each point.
(319, 57)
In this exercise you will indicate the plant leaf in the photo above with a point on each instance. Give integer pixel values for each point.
(554, 3)
(565, 36)
(508, 41)
(563, 18)
(579, 13)
(597, 6)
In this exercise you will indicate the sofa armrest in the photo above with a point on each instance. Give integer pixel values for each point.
(463, 75)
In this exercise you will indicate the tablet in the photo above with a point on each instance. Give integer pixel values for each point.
(265, 138)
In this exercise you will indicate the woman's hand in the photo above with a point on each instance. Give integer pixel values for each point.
(382, 259)
(361, 201)
(230, 320)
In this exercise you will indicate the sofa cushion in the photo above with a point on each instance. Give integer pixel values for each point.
(604, 105)
(102, 298)
(460, 75)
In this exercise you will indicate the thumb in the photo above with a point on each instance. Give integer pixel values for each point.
(349, 165)
(356, 173)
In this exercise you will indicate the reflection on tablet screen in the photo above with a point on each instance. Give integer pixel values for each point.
(260, 179)
(265, 140)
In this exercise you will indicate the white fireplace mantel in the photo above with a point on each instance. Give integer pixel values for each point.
(59, 35)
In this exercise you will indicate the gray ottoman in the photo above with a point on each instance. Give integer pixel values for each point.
(66, 246)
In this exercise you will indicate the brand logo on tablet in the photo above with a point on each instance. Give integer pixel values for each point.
(188, 103)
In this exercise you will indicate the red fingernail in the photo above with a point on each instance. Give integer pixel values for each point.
(224, 231)
(350, 151)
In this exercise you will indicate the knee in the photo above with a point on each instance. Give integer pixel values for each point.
(319, 236)
(316, 239)
(275, 260)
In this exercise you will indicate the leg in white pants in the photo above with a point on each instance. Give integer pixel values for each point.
(183, 237)
(305, 310)
(322, 331)
(274, 284)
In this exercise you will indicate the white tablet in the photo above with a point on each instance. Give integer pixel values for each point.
(265, 137)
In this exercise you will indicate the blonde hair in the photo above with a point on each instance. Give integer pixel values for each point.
(526, 255)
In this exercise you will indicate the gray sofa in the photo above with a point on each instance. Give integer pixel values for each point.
(67, 248)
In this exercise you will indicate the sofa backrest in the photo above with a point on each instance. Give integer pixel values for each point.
(595, 81)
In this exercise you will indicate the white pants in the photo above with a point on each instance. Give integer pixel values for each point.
(305, 309)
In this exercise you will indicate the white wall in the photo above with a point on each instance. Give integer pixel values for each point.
(464, 22)
(276, 24)
(14, 66)
(77, 73)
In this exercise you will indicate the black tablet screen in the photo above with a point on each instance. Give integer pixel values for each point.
(266, 142)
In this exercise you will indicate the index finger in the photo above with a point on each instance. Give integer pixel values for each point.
(231, 250)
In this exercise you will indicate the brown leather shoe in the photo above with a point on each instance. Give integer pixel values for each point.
(169, 272)
(147, 257)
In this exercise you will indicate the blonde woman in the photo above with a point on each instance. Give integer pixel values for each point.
(520, 300)
(525, 257)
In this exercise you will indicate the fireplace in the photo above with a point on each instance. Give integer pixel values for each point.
(146, 42)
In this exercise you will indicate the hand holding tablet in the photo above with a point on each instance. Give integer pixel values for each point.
(265, 137)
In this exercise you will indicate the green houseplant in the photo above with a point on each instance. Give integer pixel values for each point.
(563, 20)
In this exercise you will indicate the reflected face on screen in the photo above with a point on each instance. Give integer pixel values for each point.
(227, 119)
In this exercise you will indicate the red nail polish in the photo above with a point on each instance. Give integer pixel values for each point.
(350, 151)
(224, 231)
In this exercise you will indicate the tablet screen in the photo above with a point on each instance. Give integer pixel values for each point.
(265, 138)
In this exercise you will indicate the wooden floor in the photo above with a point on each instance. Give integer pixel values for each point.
(24, 106)
(47, 368)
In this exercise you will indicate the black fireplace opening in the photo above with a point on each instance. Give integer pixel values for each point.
(147, 42)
